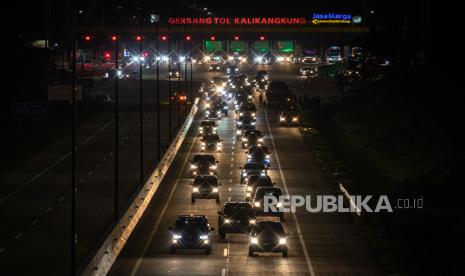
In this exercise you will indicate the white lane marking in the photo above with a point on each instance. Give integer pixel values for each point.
(54, 164)
(155, 228)
(229, 198)
(81, 181)
(34, 222)
(230, 180)
(104, 159)
(97, 166)
(230, 172)
(18, 236)
(223, 271)
(232, 165)
(61, 199)
(232, 159)
(230, 189)
(48, 210)
(299, 231)
(90, 173)
(225, 252)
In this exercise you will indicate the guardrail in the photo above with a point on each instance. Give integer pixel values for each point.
(106, 255)
(350, 199)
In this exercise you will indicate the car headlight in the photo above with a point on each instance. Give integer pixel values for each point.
(195, 190)
(260, 139)
(253, 114)
(282, 119)
(245, 140)
(176, 237)
(249, 155)
(213, 167)
(253, 123)
(295, 119)
(244, 173)
(250, 97)
(247, 194)
(227, 221)
(257, 204)
(254, 240)
(249, 188)
(215, 190)
(193, 166)
(240, 114)
(252, 221)
(268, 156)
(203, 144)
(239, 123)
(239, 132)
(282, 241)
(204, 237)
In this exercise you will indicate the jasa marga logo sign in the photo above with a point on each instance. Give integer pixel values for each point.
(331, 18)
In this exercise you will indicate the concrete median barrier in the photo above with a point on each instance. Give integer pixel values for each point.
(106, 255)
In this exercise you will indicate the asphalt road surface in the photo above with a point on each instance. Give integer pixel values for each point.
(319, 244)
(34, 198)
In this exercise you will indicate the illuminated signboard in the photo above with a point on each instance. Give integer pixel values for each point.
(237, 21)
(331, 18)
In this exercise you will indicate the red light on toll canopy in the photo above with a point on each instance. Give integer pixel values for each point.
(236, 37)
(87, 38)
(188, 37)
(262, 37)
(107, 55)
(212, 37)
(114, 38)
(138, 38)
(164, 37)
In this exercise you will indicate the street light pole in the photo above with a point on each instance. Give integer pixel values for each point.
(73, 142)
(185, 68)
(179, 83)
(169, 86)
(157, 60)
(116, 117)
(141, 114)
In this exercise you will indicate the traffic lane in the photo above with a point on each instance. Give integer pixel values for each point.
(265, 263)
(333, 242)
(172, 199)
(95, 196)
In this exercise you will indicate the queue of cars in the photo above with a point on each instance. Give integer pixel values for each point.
(264, 228)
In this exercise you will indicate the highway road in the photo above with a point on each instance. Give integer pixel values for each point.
(319, 244)
(34, 198)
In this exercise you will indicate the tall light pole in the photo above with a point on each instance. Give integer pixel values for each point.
(73, 140)
(141, 112)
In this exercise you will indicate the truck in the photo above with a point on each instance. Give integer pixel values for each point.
(279, 95)
(333, 54)
(310, 56)
(284, 51)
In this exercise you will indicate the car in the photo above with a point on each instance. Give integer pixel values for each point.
(173, 73)
(259, 156)
(191, 232)
(244, 121)
(222, 106)
(232, 70)
(208, 127)
(203, 164)
(236, 217)
(251, 139)
(211, 141)
(103, 100)
(205, 187)
(289, 118)
(212, 113)
(254, 182)
(262, 74)
(247, 109)
(308, 71)
(244, 129)
(267, 236)
(240, 98)
(259, 200)
(215, 67)
(252, 168)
